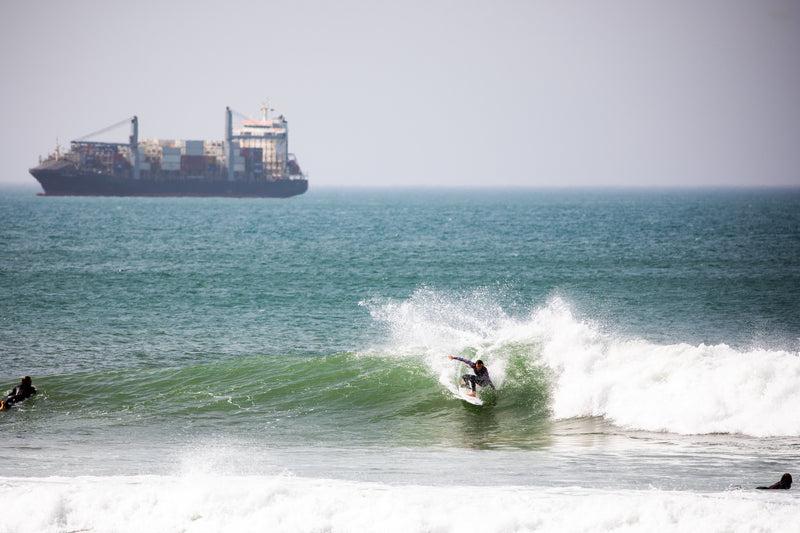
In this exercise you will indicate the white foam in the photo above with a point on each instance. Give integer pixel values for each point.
(637, 384)
(677, 388)
(209, 503)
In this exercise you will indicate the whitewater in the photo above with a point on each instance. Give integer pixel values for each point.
(287, 504)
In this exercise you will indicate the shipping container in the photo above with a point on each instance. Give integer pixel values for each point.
(193, 148)
(252, 154)
(193, 163)
(213, 148)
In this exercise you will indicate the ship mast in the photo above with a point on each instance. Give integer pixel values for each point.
(265, 110)
(229, 141)
(134, 143)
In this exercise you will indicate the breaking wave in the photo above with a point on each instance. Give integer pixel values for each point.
(550, 356)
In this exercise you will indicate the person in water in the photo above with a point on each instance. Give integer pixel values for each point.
(784, 483)
(21, 392)
(481, 376)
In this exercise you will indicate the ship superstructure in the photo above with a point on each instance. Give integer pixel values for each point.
(253, 160)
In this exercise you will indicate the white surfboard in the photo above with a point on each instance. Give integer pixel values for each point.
(462, 394)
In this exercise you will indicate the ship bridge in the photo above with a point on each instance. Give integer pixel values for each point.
(258, 144)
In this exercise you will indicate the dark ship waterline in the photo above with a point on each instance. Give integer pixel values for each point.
(252, 161)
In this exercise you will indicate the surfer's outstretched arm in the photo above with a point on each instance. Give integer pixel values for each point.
(466, 361)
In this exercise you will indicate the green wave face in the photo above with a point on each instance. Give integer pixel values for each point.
(357, 398)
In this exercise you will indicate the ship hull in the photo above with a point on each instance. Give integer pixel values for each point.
(66, 181)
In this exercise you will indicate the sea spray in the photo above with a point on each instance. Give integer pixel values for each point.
(580, 371)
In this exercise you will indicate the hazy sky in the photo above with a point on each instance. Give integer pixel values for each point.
(429, 93)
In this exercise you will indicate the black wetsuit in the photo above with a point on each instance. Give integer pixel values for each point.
(481, 377)
(785, 483)
(17, 394)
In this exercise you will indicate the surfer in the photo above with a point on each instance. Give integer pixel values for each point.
(21, 392)
(784, 483)
(481, 376)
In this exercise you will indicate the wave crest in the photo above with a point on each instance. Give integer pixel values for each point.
(581, 371)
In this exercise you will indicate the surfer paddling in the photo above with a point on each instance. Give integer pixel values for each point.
(481, 376)
(785, 483)
(21, 392)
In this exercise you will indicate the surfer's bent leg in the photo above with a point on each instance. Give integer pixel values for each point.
(469, 379)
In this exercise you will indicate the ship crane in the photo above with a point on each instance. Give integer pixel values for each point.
(133, 141)
(83, 140)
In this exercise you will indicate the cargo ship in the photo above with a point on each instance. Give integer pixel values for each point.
(252, 161)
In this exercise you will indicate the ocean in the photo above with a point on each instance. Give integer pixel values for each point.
(216, 364)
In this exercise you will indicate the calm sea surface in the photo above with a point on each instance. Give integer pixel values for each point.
(281, 365)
